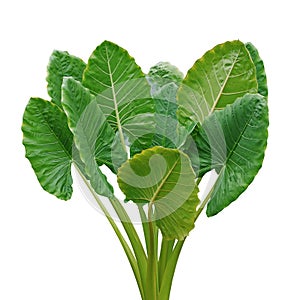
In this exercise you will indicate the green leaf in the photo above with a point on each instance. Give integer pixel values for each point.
(192, 150)
(93, 136)
(232, 142)
(161, 75)
(62, 64)
(260, 70)
(223, 74)
(165, 179)
(48, 143)
(164, 79)
(108, 148)
(166, 133)
(122, 91)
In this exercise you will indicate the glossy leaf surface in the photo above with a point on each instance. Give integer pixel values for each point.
(260, 70)
(223, 74)
(232, 142)
(48, 143)
(122, 92)
(108, 148)
(93, 136)
(61, 65)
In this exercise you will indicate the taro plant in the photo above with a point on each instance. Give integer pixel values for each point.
(141, 143)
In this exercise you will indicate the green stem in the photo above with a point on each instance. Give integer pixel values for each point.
(203, 204)
(152, 290)
(156, 231)
(165, 252)
(146, 231)
(198, 180)
(166, 284)
(134, 239)
(164, 293)
(131, 258)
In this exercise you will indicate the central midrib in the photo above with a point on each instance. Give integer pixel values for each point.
(115, 104)
(223, 86)
(163, 181)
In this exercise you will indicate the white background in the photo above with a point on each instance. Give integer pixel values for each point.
(51, 249)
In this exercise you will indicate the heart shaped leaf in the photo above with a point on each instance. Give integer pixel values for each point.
(165, 179)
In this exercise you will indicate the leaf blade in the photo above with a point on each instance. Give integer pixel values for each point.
(238, 157)
(161, 75)
(113, 75)
(48, 143)
(87, 123)
(223, 74)
(164, 80)
(260, 70)
(62, 64)
(164, 178)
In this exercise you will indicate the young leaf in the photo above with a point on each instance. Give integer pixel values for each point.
(164, 79)
(223, 74)
(48, 143)
(161, 75)
(166, 134)
(93, 136)
(165, 179)
(61, 65)
(260, 70)
(122, 91)
(232, 142)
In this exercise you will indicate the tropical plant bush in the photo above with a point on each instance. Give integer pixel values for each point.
(143, 142)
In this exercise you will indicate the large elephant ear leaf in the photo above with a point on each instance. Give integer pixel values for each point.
(232, 141)
(260, 70)
(62, 64)
(223, 74)
(93, 136)
(165, 180)
(48, 143)
(123, 92)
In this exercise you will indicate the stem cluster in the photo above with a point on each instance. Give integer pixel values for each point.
(154, 265)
